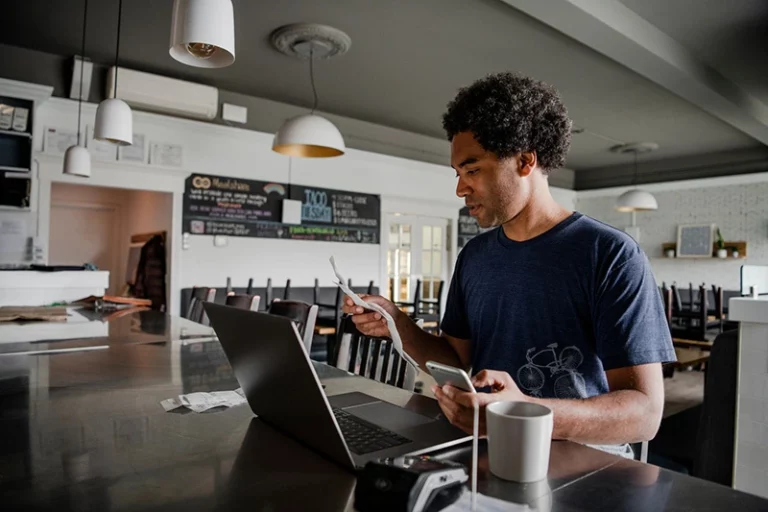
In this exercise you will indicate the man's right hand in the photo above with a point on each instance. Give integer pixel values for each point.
(369, 322)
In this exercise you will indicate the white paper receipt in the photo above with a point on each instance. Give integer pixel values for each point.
(201, 402)
(485, 504)
(397, 342)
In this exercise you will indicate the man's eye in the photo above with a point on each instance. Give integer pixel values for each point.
(473, 172)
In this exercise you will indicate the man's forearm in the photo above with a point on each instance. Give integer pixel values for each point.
(423, 346)
(621, 416)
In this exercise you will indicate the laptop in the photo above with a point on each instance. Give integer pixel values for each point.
(271, 365)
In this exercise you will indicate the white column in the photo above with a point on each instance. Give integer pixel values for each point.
(751, 457)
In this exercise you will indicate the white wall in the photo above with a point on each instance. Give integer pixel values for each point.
(149, 212)
(211, 149)
(138, 211)
(405, 186)
(66, 195)
(738, 205)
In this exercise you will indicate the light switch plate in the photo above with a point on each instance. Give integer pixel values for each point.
(234, 113)
(220, 241)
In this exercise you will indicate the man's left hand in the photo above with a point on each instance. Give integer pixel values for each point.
(458, 405)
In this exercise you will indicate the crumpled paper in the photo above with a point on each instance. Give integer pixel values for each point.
(484, 504)
(397, 342)
(201, 402)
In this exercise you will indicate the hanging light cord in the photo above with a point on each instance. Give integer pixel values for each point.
(634, 179)
(117, 49)
(82, 65)
(290, 164)
(312, 75)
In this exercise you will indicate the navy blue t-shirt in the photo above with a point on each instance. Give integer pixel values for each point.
(558, 310)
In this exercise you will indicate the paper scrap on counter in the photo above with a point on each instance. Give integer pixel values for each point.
(485, 504)
(201, 401)
(397, 342)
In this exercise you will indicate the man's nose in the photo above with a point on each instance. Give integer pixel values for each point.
(462, 189)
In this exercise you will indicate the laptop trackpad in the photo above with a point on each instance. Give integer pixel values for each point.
(388, 416)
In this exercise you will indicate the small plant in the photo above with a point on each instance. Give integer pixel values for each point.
(720, 240)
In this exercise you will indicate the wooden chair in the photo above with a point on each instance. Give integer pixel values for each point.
(195, 311)
(373, 358)
(412, 308)
(433, 306)
(303, 315)
(243, 301)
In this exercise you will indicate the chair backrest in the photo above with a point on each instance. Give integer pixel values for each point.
(370, 288)
(303, 315)
(715, 439)
(717, 292)
(677, 303)
(249, 290)
(195, 312)
(287, 291)
(370, 357)
(666, 295)
(243, 301)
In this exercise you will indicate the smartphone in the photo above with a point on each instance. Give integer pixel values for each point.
(444, 374)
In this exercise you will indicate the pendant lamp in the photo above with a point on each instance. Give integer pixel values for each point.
(636, 200)
(310, 135)
(203, 33)
(114, 121)
(77, 159)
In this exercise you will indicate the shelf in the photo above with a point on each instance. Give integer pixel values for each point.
(730, 246)
(14, 169)
(16, 134)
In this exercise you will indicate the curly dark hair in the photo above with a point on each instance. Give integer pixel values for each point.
(510, 113)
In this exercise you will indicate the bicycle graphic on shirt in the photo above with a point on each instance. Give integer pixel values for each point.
(568, 382)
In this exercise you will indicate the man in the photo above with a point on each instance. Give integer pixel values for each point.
(551, 307)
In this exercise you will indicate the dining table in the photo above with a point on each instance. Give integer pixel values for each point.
(83, 429)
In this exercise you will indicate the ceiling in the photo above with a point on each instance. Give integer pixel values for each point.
(408, 59)
(731, 36)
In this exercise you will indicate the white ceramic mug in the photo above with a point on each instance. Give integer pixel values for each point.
(519, 438)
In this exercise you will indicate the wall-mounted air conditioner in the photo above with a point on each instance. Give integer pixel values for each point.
(162, 94)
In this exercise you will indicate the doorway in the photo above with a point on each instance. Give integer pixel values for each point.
(418, 249)
(107, 227)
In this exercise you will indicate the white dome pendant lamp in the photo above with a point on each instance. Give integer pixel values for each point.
(310, 135)
(114, 121)
(203, 33)
(636, 200)
(77, 159)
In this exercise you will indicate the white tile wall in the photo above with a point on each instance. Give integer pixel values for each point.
(741, 212)
(751, 468)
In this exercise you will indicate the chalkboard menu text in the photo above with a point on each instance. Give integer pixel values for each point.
(216, 205)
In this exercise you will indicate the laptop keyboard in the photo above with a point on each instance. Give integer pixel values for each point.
(362, 437)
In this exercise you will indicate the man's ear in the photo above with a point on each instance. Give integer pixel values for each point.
(528, 162)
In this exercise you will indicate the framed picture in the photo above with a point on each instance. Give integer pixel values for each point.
(695, 240)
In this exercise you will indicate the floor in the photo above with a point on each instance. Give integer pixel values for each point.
(683, 391)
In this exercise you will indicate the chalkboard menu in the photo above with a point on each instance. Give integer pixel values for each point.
(336, 215)
(468, 227)
(216, 205)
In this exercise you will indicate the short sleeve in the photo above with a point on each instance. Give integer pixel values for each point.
(630, 326)
(455, 322)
